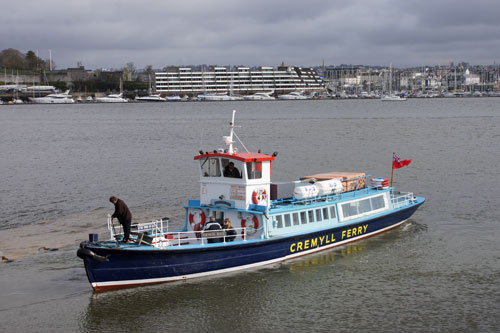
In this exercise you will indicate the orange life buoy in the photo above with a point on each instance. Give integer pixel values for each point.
(199, 213)
(259, 197)
(250, 229)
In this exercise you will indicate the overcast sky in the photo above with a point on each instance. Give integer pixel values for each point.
(111, 33)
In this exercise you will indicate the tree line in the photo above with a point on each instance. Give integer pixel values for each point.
(16, 60)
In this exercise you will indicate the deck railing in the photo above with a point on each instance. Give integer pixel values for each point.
(157, 232)
(330, 197)
(400, 199)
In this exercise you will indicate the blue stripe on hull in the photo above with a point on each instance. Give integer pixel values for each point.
(129, 267)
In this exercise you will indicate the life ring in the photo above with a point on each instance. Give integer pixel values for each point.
(251, 228)
(193, 215)
(259, 197)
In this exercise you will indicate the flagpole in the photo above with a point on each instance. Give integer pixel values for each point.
(392, 173)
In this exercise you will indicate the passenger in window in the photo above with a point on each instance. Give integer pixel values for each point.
(231, 171)
(230, 232)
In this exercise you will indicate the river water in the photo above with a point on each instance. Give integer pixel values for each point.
(438, 272)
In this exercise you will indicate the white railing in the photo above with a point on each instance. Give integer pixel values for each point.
(178, 238)
(153, 228)
(157, 232)
(400, 199)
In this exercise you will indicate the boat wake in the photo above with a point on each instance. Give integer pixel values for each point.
(51, 235)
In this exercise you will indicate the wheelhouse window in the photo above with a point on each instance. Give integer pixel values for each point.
(232, 168)
(254, 170)
(210, 167)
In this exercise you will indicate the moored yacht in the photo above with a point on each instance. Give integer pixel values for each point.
(261, 96)
(294, 95)
(150, 98)
(174, 98)
(392, 98)
(112, 98)
(214, 97)
(62, 98)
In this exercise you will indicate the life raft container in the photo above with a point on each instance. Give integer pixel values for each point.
(259, 197)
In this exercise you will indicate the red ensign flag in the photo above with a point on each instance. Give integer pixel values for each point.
(397, 163)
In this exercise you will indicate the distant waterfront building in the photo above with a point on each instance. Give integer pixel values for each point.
(68, 76)
(242, 80)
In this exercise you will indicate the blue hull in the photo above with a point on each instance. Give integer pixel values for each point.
(133, 267)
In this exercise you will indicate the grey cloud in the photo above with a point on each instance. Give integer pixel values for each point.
(112, 33)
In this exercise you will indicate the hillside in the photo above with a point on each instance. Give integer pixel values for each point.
(14, 59)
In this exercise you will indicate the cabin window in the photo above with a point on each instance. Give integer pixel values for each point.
(325, 213)
(210, 167)
(363, 206)
(303, 217)
(254, 170)
(232, 168)
(310, 214)
(378, 202)
(296, 219)
(318, 215)
(288, 222)
(350, 209)
(332, 212)
(279, 220)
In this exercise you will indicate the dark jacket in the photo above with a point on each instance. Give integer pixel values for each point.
(234, 173)
(122, 213)
(230, 234)
(213, 226)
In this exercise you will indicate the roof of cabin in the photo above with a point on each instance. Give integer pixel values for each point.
(244, 157)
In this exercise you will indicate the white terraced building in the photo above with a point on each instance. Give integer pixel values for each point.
(243, 80)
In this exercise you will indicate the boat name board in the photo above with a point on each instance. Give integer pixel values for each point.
(327, 239)
(237, 192)
(147, 226)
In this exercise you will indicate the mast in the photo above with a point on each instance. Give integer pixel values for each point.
(390, 79)
(229, 139)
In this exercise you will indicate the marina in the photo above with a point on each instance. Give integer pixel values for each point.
(437, 271)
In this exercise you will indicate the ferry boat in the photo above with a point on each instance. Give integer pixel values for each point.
(271, 222)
